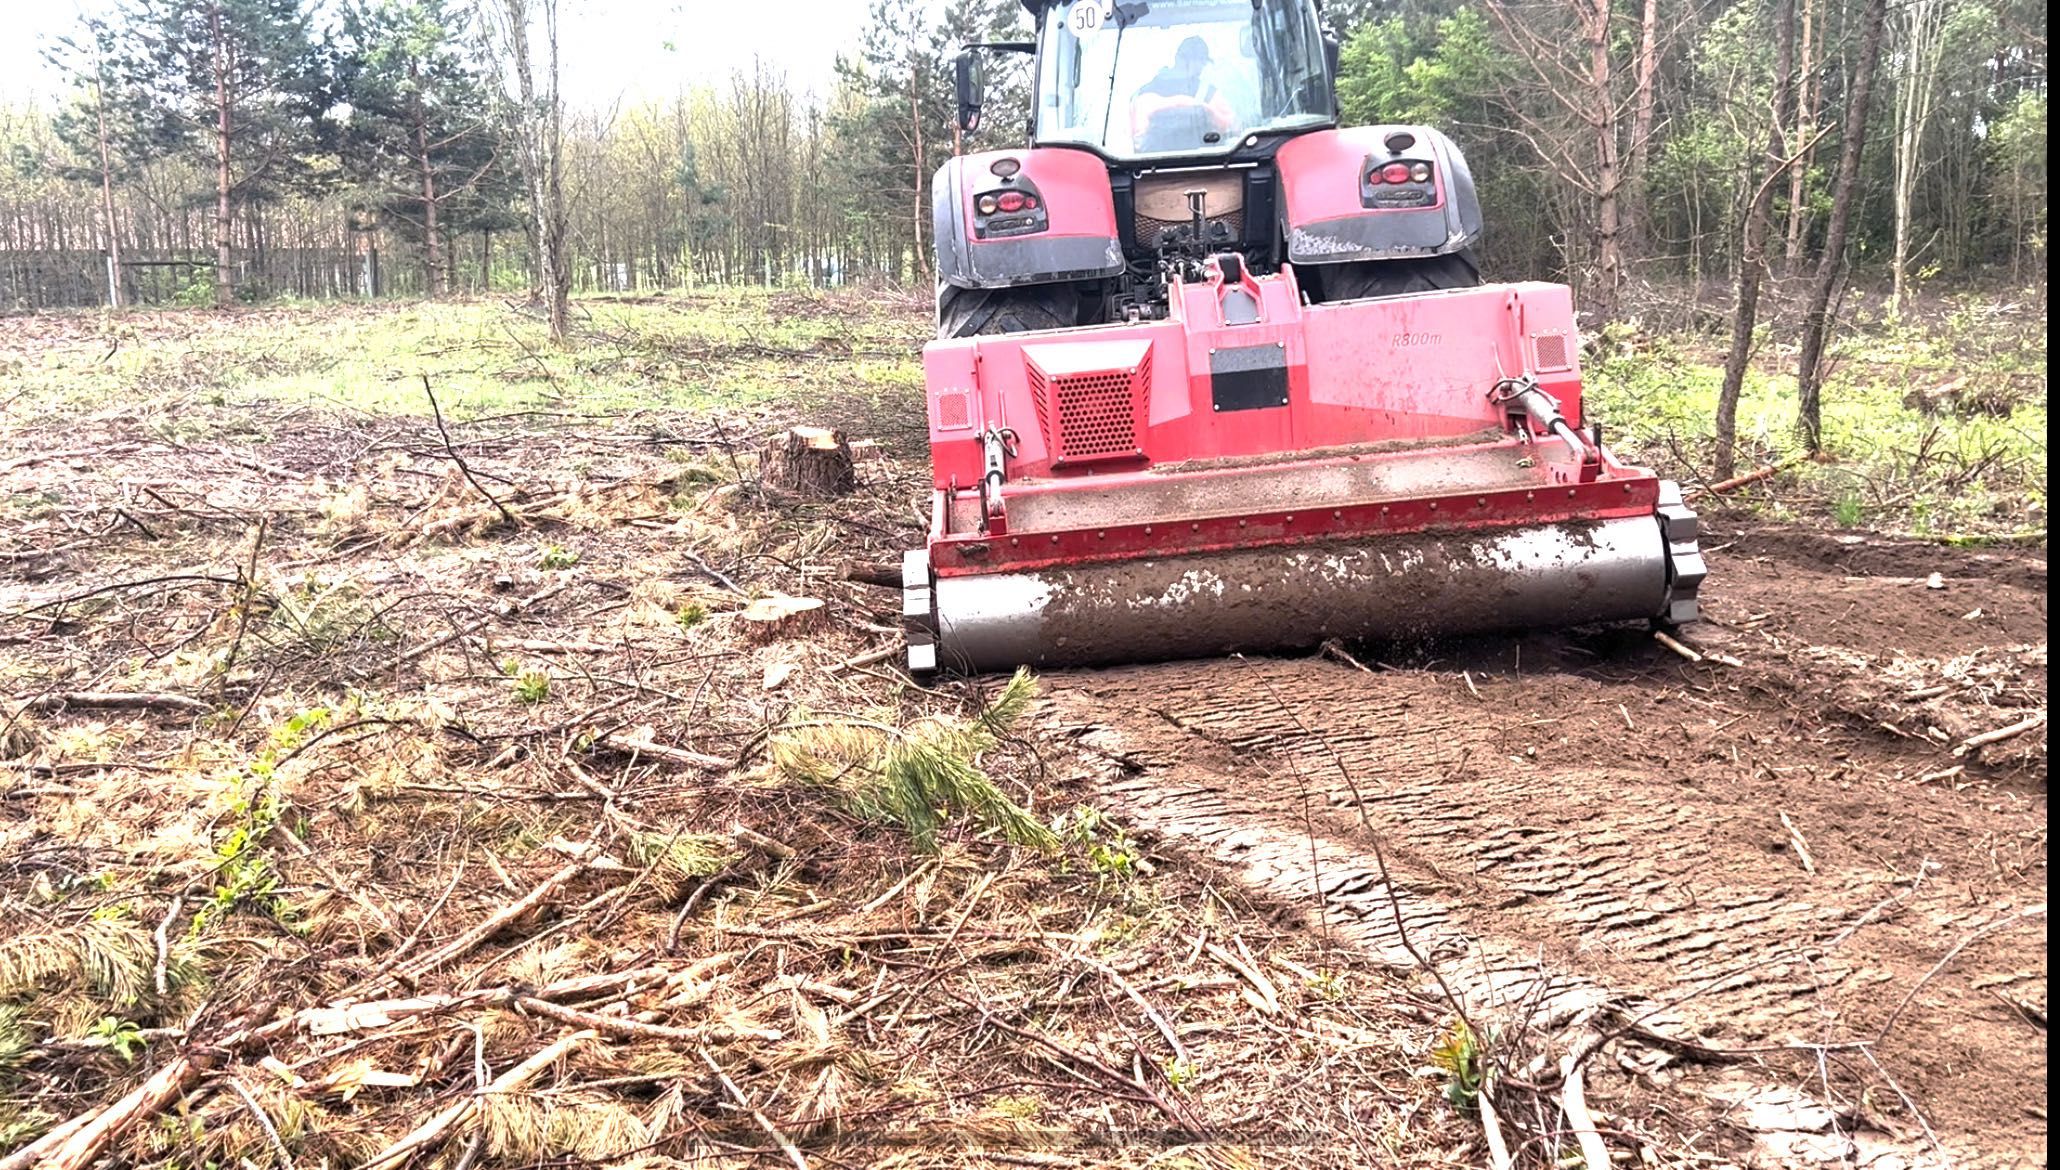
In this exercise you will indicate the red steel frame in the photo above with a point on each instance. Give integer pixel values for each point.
(1370, 382)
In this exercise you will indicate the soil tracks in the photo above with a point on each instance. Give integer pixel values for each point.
(1769, 854)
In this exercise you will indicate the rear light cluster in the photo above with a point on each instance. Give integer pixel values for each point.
(1005, 202)
(1016, 208)
(1399, 172)
(1398, 184)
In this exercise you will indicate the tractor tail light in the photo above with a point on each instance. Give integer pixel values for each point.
(1421, 172)
(986, 204)
(1395, 173)
(1011, 201)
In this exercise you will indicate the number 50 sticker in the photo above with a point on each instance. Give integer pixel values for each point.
(1087, 16)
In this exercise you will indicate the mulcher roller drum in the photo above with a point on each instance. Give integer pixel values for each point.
(1392, 588)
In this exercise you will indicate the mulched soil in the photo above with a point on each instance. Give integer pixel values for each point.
(351, 764)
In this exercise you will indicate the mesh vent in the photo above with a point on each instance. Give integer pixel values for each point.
(1148, 230)
(1551, 351)
(1094, 412)
(1096, 416)
(954, 411)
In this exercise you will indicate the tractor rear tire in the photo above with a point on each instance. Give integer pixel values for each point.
(971, 312)
(1392, 278)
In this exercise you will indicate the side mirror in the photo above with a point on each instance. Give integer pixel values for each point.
(970, 80)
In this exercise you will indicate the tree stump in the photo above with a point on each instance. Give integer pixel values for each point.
(814, 462)
(781, 616)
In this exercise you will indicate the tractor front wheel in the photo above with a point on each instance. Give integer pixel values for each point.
(1390, 278)
(969, 312)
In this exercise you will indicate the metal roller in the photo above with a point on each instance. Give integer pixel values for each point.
(1276, 599)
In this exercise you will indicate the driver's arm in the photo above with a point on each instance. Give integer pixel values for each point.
(1217, 103)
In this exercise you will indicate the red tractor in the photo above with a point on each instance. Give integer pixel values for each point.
(1216, 374)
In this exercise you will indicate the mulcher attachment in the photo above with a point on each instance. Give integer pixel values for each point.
(1254, 474)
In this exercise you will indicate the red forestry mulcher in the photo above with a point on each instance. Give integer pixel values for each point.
(1216, 374)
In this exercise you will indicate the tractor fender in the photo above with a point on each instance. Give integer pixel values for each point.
(1332, 214)
(1067, 232)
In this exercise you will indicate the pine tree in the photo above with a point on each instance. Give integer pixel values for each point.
(896, 109)
(421, 134)
(241, 80)
(105, 123)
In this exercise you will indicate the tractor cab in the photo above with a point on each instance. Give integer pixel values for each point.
(1136, 81)
(1168, 138)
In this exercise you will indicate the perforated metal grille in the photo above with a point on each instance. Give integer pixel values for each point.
(1148, 229)
(1551, 350)
(1095, 416)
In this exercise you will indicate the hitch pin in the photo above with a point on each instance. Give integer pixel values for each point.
(1530, 398)
(997, 446)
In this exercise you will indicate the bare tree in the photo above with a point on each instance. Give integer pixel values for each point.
(1566, 47)
(1830, 265)
(1920, 52)
(1752, 253)
(1809, 90)
(540, 142)
(1644, 100)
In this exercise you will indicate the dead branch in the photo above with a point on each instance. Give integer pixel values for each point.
(1491, 1126)
(1976, 742)
(77, 1143)
(1173, 1112)
(1802, 847)
(265, 1123)
(637, 1029)
(464, 468)
(464, 943)
(1144, 1005)
(1976, 936)
(1750, 477)
(1676, 645)
(120, 701)
(772, 1131)
(645, 746)
(1573, 1100)
(430, 1132)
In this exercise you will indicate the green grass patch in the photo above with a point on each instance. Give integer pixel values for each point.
(730, 347)
(1902, 455)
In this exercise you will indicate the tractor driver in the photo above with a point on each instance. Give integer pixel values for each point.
(1176, 108)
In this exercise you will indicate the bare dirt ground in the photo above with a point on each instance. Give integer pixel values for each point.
(1790, 865)
(377, 793)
